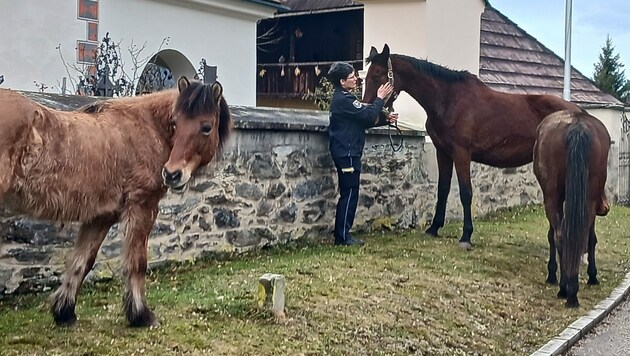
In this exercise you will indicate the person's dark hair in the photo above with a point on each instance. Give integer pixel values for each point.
(338, 71)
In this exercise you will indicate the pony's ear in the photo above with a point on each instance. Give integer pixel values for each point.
(373, 52)
(217, 91)
(182, 83)
(385, 52)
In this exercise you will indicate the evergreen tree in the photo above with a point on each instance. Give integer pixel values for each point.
(609, 75)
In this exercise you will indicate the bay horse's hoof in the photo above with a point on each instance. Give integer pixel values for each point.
(552, 280)
(593, 281)
(572, 303)
(432, 231)
(465, 245)
(562, 294)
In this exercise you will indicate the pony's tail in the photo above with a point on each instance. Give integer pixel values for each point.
(575, 224)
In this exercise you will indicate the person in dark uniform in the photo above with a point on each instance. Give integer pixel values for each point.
(349, 118)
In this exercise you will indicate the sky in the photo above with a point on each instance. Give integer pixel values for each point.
(592, 21)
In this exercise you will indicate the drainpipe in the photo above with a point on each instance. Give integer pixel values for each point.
(566, 93)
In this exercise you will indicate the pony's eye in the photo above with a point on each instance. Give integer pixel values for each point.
(205, 129)
(173, 125)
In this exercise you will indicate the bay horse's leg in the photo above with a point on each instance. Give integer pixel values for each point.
(592, 268)
(552, 265)
(562, 292)
(462, 168)
(554, 212)
(138, 221)
(445, 168)
(91, 236)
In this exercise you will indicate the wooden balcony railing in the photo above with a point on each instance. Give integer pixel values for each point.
(292, 80)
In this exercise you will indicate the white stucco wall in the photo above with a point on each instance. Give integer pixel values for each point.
(223, 32)
(611, 117)
(453, 31)
(401, 24)
(445, 32)
(29, 32)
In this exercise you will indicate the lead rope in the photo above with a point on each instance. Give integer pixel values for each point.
(388, 110)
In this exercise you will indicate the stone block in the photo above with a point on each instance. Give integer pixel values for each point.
(271, 294)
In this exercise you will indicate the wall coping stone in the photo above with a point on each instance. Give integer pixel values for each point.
(245, 117)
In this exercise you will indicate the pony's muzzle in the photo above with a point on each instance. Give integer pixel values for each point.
(172, 179)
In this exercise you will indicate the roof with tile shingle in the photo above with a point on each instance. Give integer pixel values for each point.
(510, 60)
(513, 61)
(312, 5)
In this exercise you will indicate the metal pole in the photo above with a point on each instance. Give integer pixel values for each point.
(566, 93)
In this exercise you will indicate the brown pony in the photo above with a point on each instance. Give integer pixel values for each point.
(108, 162)
(466, 120)
(570, 161)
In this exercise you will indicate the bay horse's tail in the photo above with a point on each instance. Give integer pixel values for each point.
(576, 221)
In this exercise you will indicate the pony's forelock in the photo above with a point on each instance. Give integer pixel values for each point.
(195, 100)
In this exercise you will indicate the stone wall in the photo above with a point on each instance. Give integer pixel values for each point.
(275, 182)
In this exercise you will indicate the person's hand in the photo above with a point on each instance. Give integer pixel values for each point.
(392, 118)
(384, 90)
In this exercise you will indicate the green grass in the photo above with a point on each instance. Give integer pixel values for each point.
(402, 293)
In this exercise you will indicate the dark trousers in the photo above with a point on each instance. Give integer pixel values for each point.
(348, 172)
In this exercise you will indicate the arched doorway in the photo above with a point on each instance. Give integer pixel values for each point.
(163, 70)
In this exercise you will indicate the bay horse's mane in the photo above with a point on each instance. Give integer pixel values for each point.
(435, 70)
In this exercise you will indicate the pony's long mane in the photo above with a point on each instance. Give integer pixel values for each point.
(198, 99)
(93, 108)
(435, 70)
(156, 103)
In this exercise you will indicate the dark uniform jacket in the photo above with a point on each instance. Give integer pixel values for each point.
(348, 120)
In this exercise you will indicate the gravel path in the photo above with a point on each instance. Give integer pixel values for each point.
(611, 337)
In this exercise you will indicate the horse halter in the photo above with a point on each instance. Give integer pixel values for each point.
(388, 109)
(390, 80)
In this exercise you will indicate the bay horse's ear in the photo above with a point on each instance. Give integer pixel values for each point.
(385, 51)
(217, 91)
(373, 52)
(182, 83)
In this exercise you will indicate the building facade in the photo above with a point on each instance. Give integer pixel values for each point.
(43, 42)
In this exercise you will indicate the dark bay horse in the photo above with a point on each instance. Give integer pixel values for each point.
(570, 162)
(466, 120)
(108, 162)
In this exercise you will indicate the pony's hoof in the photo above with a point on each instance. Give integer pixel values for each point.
(552, 280)
(593, 281)
(63, 314)
(465, 245)
(144, 320)
(67, 320)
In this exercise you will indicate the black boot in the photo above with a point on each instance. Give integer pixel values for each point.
(350, 242)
